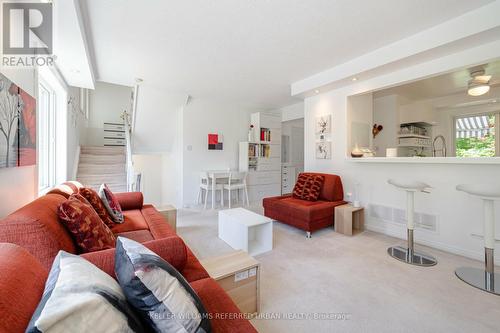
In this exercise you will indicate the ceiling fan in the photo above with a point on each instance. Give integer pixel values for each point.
(479, 84)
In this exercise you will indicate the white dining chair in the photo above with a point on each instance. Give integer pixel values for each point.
(206, 185)
(237, 181)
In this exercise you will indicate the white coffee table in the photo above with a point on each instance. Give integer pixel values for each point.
(246, 230)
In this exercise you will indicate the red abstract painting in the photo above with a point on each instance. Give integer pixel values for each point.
(17, 125)
(215, 142)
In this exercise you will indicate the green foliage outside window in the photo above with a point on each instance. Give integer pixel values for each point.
(477, 147)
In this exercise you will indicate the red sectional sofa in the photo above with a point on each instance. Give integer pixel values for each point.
(39, 236)
(308, 215)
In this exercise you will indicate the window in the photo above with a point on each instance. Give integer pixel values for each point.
(52, 130)
(46, 137)
(476, 135)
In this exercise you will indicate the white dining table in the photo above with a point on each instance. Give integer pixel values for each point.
(214, 175)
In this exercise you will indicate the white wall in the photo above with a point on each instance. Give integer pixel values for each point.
(360, 118)
(202, 117)
(157, 144)
(458, 214)
(18, 186)
(292, 112)
(170, 142)
(106, 104)
(386, 113)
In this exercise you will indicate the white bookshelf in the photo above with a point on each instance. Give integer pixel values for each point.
(261, 158)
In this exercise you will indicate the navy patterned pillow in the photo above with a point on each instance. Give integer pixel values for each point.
(158, 292)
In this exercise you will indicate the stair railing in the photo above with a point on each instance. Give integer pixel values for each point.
(133, 178)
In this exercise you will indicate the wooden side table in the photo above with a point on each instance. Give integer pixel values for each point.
(239, 275)
(169, 212)
(348, 218)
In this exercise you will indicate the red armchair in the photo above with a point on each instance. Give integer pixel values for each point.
(309, 216)
(38, 235)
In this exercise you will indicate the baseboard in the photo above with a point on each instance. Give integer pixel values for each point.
(400, 232)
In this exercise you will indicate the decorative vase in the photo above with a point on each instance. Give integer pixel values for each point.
(356, 152)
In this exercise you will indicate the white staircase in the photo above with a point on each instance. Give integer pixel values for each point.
(99, 165)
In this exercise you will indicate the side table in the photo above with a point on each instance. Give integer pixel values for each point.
(169, 212)
(239, 275)
(348, 218)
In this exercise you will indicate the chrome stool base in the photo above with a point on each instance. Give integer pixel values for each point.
(412, 257)
(480, 279)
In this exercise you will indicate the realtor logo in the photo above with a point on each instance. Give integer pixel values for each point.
(27, 28)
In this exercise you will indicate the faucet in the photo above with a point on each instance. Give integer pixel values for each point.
(443, 146)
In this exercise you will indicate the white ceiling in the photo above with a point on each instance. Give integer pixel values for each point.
(248, 51)
(443, 85)
(70, 45)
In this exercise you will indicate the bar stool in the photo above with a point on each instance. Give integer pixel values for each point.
(479, 278)
(408, 254)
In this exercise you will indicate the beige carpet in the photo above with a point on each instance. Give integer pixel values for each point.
(335, 274)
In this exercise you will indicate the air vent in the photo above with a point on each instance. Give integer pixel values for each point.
(397, 215)
(427, 222)
(380, 212)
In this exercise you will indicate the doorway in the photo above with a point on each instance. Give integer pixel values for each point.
(292, 153)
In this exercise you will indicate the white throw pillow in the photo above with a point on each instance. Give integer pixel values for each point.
(79, 297)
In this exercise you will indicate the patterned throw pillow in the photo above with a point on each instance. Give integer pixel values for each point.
(86, 227)
(298, 189)
(96, 202)
(111, 203)
(308, 187)
(80, 198)
(79, 297)
(159, 293)
(312, 189)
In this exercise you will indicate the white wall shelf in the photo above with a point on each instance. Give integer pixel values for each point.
(262, 158)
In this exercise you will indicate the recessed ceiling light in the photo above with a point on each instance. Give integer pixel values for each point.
(76, 71)
(354, 79)
(316, 91)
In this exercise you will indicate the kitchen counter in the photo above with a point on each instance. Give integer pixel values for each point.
(426, 160)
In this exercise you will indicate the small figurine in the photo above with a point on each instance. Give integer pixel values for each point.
(376, 130)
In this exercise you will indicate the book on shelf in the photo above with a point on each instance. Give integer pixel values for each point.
(265, 151)
(265, 134)
(252, 151)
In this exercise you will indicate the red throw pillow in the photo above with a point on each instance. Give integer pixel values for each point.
(86, 227)
(308, 187)
(298, 189)
(80, 198)
(96, 202)
(312, 189)
(111, 203)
